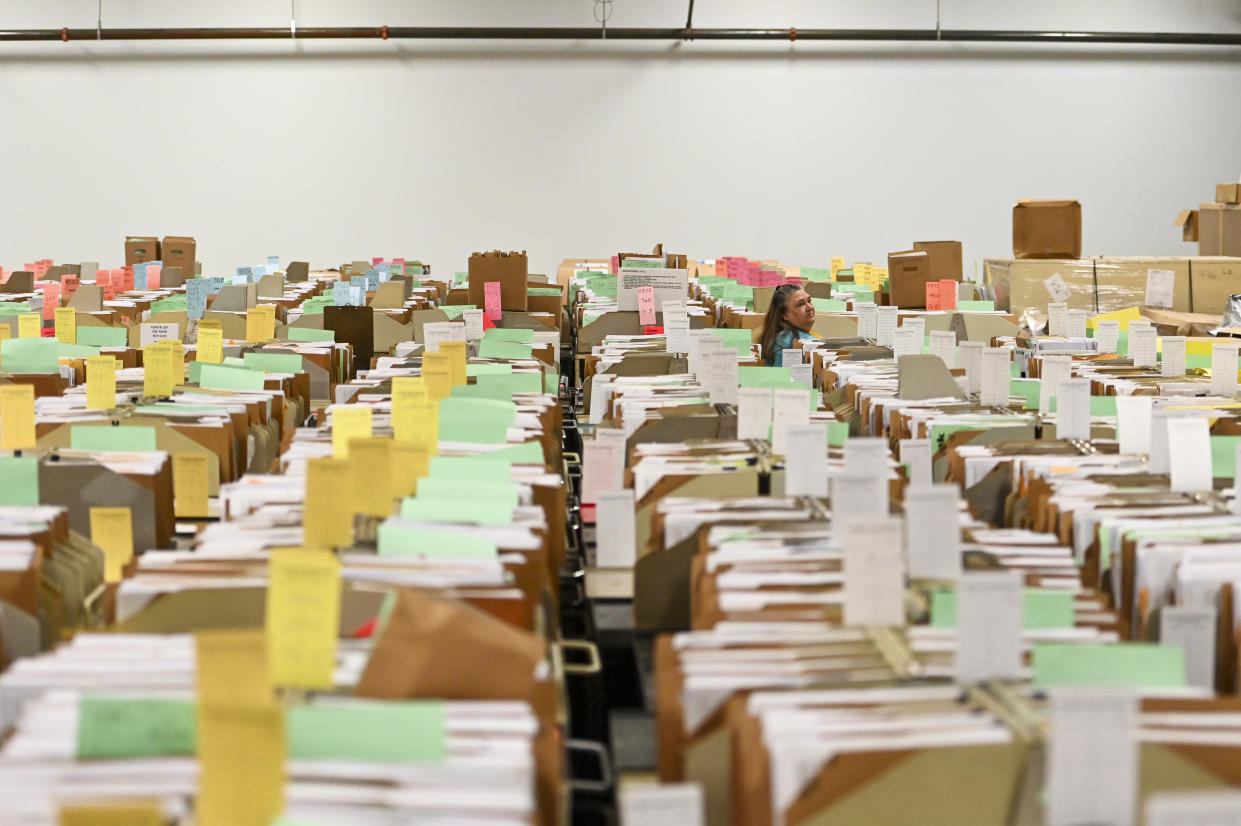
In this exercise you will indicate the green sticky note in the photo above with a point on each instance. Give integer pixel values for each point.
(112, 437)
(499, 388)
(75, 351)
(310, 334)
(314, 306)
(29, 355)
(8, 308)
(386, 731)
(1133, 664)
(764, 376)
(829, 305)
(476, 369)
(739, 340)
(1028, 389)
(223, 377)
(851, 287)
(976, 306)
(502, 493)
(273, 362)
(1198, 361)
(421, 509)
(1102, 405)
(815, 274)
(837, 433)
(642, 262)
(543, 291)
(235, 361)
(1224, 456)
(475, 420)
(471, 468)
(529, 381)
(19, 480)
(129, 728)
(526, 453)
(454, 311)
(551, 384)
(460, 277)
(403, 539)
(499, 349)
(103, 336)
(171, 304)
(1041, 608)
(498, 334)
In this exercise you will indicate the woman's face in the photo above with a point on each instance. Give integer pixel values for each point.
(800, 311)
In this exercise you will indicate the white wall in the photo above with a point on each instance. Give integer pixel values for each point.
(332, 151)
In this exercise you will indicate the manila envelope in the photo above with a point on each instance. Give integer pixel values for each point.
(231, 324)
(270, 286)
(81, 484)
(683, 424)
(387, 333)
(419, 318)
(87, 299)
(390, 295)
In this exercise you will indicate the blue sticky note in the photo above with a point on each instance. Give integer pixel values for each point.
(384, 270)
(195, 298)
(342, 296)
(244, 273)
(273, 261)
(214, 285)
(140, 276)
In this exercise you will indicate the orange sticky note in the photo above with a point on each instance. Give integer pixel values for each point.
(17, 417)
(112, 530)
(303, 617)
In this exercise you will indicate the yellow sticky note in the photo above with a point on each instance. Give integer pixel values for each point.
(417, 422)
(5, 332)
(113, 813)
(328, 518)
(17, 417)
(410, 462)
(1123, 316)
(66, 325)
(303, 617)
(372, 476)
(241, 740)
(157, 379)
(456, 354)
(408, 387)
(178, 361)
(210, 344)
(190, 484)
(29, 325)
(112, 529)
(100, 382)
(437, 374)
(349, 422)
(261, 323)
(837, 264)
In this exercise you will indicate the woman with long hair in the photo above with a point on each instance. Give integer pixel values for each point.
(789, 318)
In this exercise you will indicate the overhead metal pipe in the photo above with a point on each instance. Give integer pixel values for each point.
(583, 33)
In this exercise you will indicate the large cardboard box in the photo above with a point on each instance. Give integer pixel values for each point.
(1219, 229)
(141, 248)
(908, 274)
(1228, 193)
(179, 251)
(1122, 282)
(1021, 285)
(945, 258)
(508, 268)
(1047, 229)
(1212, 280)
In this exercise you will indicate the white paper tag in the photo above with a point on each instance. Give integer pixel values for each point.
(805, 464)
(600, 394)
(917, 454)
(676, 326)
(1196, 808)
(1057, 289)
(1160, 285)
(473, 324)
(944, 345)
(993, 387)
(1075, 326)
(666, 804)
(603, 463)
(802, 374)
(1224, 369)
(933, 535)
(989, 607)
(616, 542)
(885, 325)
(858, 496)
(1193, 629)
(1173, 356)
(437, 331)
(789, 408)
(1190, 462)
(1057, 318)
(1092, 728)
(874, 589)
(1142, 346)
(867, 321)
(1053, 369)
(1158, 460)
(151, 332)
(970, 354)
(1107, 336)
(720, 370)
(753, 412)
(1073, 409)
(906, 341)
(1133, 424)
(866, 456)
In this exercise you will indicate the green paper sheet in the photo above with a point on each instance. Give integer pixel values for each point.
(310, 334)
(454, 311)
(976, 306)
(1041, 608)
(29, 355)
(1224, 456)
(499, 349)
(471, 468)
(837, 433)
(112, 437)
(134, 728)
(829, 305)
(739, 340)
(1133, 664)
(222, 377)
(397, 539)
(384, 731)
(498, 334)
(420, 509)
(764, 376)
(103, 336)
(19, 480)
(273, 362)
(475, 420)
(526, 453)
(460, 490)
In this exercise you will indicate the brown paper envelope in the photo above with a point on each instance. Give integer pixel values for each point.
(87, 299)
(708, 761)
(390, 295)
(834, 326)
(388, 333)
(297, 271)
(234, 297)
(661, 586)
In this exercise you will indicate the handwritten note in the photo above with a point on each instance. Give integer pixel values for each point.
(327, 519)
(157, 370)
(190, 484)
(646, 304)
(210, 345)
(29, 325)
(100, 382)
(66, 325)
(17, 430)
(112, 530)
(989, 616)
(874, 589)
(303, 617)
(261, 323)
(491, 300)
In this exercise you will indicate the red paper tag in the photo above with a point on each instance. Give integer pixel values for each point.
(646, 305)
(127, 279)
(48, 332)
(153, 277)
(69, 285)
(615, 264)
(653, 330)
(932, 295)
(491, 300)
(947, 294)
(378, 260)
(51, 299)
(106, 279)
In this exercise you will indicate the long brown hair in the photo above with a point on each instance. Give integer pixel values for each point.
(774, 323)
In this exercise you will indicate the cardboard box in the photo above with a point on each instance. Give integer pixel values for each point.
(1047, 229)
(945, 258)
(1021, 285)
(140, 248)
(508, 268)
(1121, 282)
(179, 251)
(908, 273)
(1187, 220)
(1228, 193)
(1211, 281)
(1219, 229)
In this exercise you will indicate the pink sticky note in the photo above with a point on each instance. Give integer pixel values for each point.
(491, 300)
(615, 264)
(646, 305)
(69, 285)
(107, 280)
(932, 296)
(398, 266)
(127, 279)
(947, 294)
(153, 276)
(378, 260)
(51, 299)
